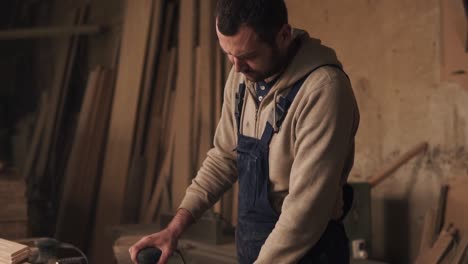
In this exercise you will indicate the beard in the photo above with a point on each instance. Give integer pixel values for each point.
(275, 63)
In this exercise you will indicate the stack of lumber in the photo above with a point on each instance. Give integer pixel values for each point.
(167, 101)
(50, 142)
(13, 215)
(49, 124)
(12, 252)
(445, 231)
(132, 157)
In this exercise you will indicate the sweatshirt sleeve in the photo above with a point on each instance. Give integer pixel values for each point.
(324, 136)
(218, 171)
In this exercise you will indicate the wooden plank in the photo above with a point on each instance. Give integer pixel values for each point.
(136, 177)
(154, 138)
(11, 251)
(428, 231)
(454, 42)
(169, 98)
(55, 158)
(435, 254)
(184, 100)
(460, 253)
(73, 185)
(440, 211)
(64, 62)
(196, 114)
(45, 32)
(161, 185)
(122, 126)
(85, 161)
(207, 64)
(35, 145)
(457, 202)
(165, 202)
(389, 168)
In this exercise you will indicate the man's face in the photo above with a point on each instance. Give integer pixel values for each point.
(251, 56)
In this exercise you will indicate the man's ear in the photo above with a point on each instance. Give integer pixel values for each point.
(284, 36)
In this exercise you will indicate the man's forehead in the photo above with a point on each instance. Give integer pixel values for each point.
(244, 41)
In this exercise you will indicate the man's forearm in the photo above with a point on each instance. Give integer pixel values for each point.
(181, 221)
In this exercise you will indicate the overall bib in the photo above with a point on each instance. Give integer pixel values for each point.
(256, 216)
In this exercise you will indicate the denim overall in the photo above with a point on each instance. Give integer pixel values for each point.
(256, 216)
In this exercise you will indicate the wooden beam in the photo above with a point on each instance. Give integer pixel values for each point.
(122, 126)
(207, 58)
(182, 173)
(139, 163)
(35, 145)
(69, 207)
(440, 211)
(163, 175)
(427, 231)
(85, 162)
(388, 169)
(456, 199)
(59, 89)
(439, 249)
(155, 134)
(460, 252)
(47, 32)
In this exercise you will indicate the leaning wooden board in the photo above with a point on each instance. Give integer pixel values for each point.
(84, 165)
(122, 126)
(136, 180)
(155, 139)
(58, 91)
(456, 209)
(205, 85)
(74, 185)
(183, 164)
(160, 190)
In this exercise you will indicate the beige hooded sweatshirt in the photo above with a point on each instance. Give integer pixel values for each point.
(310, 157)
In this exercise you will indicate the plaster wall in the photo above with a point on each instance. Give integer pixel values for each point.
(391, 50)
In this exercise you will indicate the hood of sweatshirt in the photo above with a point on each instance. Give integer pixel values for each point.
(311, 54)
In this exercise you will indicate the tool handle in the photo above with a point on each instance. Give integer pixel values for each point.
(149, 255)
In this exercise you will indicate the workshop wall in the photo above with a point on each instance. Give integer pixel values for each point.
(392, 50)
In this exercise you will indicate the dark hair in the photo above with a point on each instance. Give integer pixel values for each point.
(265, 17)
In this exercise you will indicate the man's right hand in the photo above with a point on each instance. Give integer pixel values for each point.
(166, 240)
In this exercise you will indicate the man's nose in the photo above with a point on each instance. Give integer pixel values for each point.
(239, 65)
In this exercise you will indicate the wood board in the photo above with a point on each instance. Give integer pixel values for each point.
(122, 126)
(85, 162)
(182, 171)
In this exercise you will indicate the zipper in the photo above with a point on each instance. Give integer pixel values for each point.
(257, 112)
(256, 120)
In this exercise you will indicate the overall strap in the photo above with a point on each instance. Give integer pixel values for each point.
(239, 104)
(283, 104)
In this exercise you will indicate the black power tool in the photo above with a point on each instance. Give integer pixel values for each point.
(149, 255)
